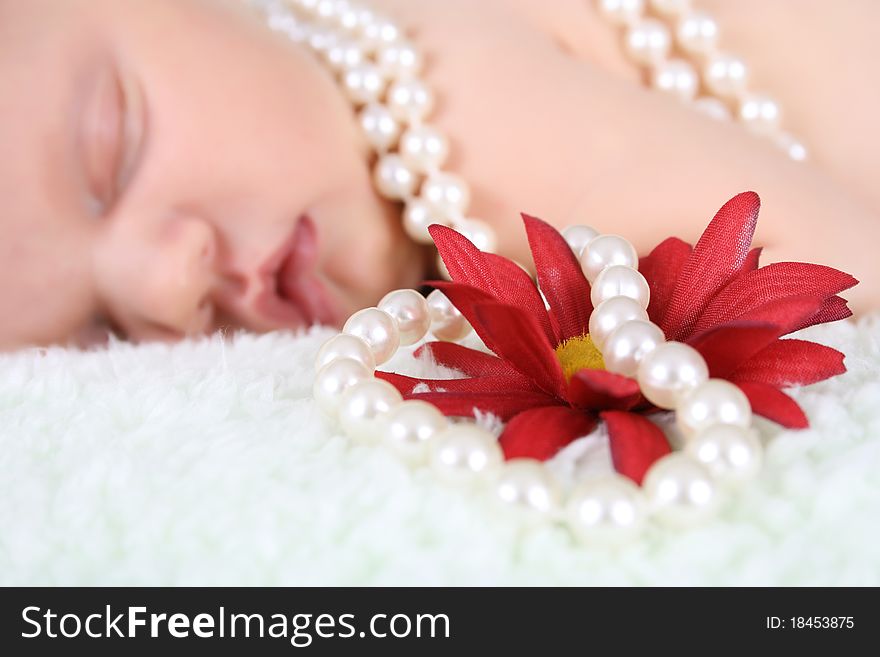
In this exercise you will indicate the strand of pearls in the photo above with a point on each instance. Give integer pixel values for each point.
(678, 48)
(720, 448)
(378, 70)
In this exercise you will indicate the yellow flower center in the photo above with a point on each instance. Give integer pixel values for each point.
(578, 354)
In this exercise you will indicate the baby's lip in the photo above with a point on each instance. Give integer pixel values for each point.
(292, 293)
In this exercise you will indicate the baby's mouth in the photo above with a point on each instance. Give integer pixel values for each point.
(297, 280)
(294, 293)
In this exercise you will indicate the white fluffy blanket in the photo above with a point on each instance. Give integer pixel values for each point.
(208, 463)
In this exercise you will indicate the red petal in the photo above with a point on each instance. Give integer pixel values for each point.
(601, 389)
(834, 309)
(470, 361)
(541, 432)
(770, 283)
(504, 404)
(774, 405)
(787, 313)
(464, 261)
(717, 257)
(517, 288)
(561, 279)
(404, 384)
(753, 259)
(636, 443)
(518, 340)
(791, 362)
(493, 384)
(661, 268)
(727, 347)
(466, 298)
(497, 276)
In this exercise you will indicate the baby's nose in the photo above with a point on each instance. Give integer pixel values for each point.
(163, 284)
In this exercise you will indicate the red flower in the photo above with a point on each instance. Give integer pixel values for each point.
(545, 379)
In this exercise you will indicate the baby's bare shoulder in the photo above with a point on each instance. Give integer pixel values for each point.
(572, 26)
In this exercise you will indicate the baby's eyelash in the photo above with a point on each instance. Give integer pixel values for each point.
(109, 136)
(102, 136)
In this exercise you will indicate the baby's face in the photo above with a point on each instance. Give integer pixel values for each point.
(161, 158)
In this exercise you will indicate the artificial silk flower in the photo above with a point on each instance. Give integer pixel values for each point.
(546, 379)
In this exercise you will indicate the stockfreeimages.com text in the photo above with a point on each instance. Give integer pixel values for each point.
(300, 629)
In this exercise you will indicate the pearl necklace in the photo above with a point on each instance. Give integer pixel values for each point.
(723, 78)
(378, 69)
(721, 449)
(372, 61)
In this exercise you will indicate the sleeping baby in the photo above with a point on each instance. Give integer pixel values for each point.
(174, 167)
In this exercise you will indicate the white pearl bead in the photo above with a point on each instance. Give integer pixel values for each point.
(610, 314)
(792, 147)
(380, 32)
(333, 379)
(670, 7)
(680, 490)
(480, 234)
(409, 428)
(606, 250)
(287, 24)
(676, 77)
(363, 83)
(725, 75)
(697, 33)
(578, 237)
(379, 126)
(418, 215)
(394, 179)
(399, 59)
(715, 401)
(322, 40)
(713, 108)
(464, 453)
(344, 55)
(347, 17)
(365, 17)
(343, 345)
(378, 329)
(620, 12)
(409, 100)
(447, 192)
(324, 10)
(528, 485)
(410, 310)
(620, 281)
(732, 454)
(760, 114)
(363, 407)
(648, 41)
(607, 510)
(628, 344)
(423, 147)
(669, 372)
(447, 323)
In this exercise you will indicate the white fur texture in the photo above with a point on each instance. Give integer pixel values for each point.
(208, 463)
